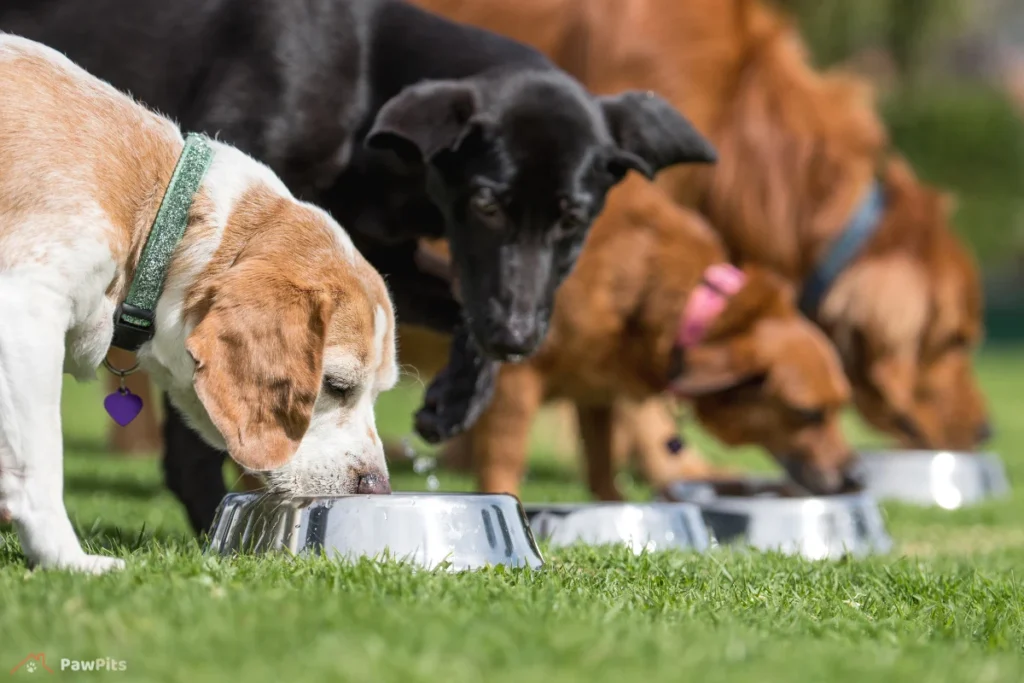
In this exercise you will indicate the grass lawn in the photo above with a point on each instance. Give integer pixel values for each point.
(946, 606)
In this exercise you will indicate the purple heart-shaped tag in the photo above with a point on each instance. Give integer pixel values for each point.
(123, 406)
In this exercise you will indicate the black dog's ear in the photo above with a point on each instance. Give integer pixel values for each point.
(651, 134)
(425, 119)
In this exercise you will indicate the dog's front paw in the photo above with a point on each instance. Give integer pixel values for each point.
(451, 407)
(458, 395)
(92, 564)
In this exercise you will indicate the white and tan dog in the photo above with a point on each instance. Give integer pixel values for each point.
(272, 334)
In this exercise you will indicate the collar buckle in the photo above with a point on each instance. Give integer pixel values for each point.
(133, 327)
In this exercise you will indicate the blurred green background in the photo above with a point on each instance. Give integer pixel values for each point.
(950, 74)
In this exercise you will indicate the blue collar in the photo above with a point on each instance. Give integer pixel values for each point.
(844, 250)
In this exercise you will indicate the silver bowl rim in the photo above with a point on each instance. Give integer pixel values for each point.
(394, 495)
(839, 499)
(566, 506)
(925, 453)
(859, 497)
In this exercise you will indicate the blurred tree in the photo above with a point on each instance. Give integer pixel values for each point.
(909, 29)
(914, 25)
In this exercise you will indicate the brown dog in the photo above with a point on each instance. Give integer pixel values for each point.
(646, 310)
(798, 152)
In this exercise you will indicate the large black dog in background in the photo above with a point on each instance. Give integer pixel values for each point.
(401, 124)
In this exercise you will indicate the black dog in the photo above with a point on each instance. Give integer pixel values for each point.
(403, 125)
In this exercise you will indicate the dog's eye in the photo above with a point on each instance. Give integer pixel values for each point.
(957, 341)
(340, 389)
(573, 220)
(485, 203)
(907, 425)
(814, 416)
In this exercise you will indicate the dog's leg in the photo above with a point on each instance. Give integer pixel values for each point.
(596, 432)
(654, 440)
(459, 394)
(500, 438)
(661, 453)
(193, 470)
(462, 389)
(31, 447)
(623, 437)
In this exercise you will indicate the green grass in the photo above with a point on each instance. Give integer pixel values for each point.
(945, 606)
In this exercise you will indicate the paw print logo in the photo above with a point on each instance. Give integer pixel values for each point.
(31, 664)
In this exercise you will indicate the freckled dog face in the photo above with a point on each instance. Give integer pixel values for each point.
(291, 356)
(519, 168)
(359, 362)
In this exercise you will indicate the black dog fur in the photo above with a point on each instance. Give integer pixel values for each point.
(401, 124)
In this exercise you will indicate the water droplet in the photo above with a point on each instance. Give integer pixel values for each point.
(432, 483)
(407, 449)
(423, 464)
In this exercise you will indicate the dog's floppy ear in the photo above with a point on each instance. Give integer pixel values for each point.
(651, 134)
(425, 119)
(259, 352)
(710, 368)
(804, 368)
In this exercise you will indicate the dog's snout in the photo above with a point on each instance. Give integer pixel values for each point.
(984, 434)
(854, 479)
(825, 479)
(511, 339)
(373, 483)
(510, 349)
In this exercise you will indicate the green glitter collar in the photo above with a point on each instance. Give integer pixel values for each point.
(133, 320)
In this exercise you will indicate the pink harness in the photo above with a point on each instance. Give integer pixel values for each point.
(707, 301)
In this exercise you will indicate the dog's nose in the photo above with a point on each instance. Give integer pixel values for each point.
(373, 483)
(824, 480)
(854, 479)
(510, 335)
(984, 434)
(512, 344)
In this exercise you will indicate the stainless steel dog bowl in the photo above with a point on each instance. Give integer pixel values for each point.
(947, 479)
(770, 515)
(641, 526)
(455, 531)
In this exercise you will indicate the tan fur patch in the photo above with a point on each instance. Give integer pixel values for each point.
(104, 149)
